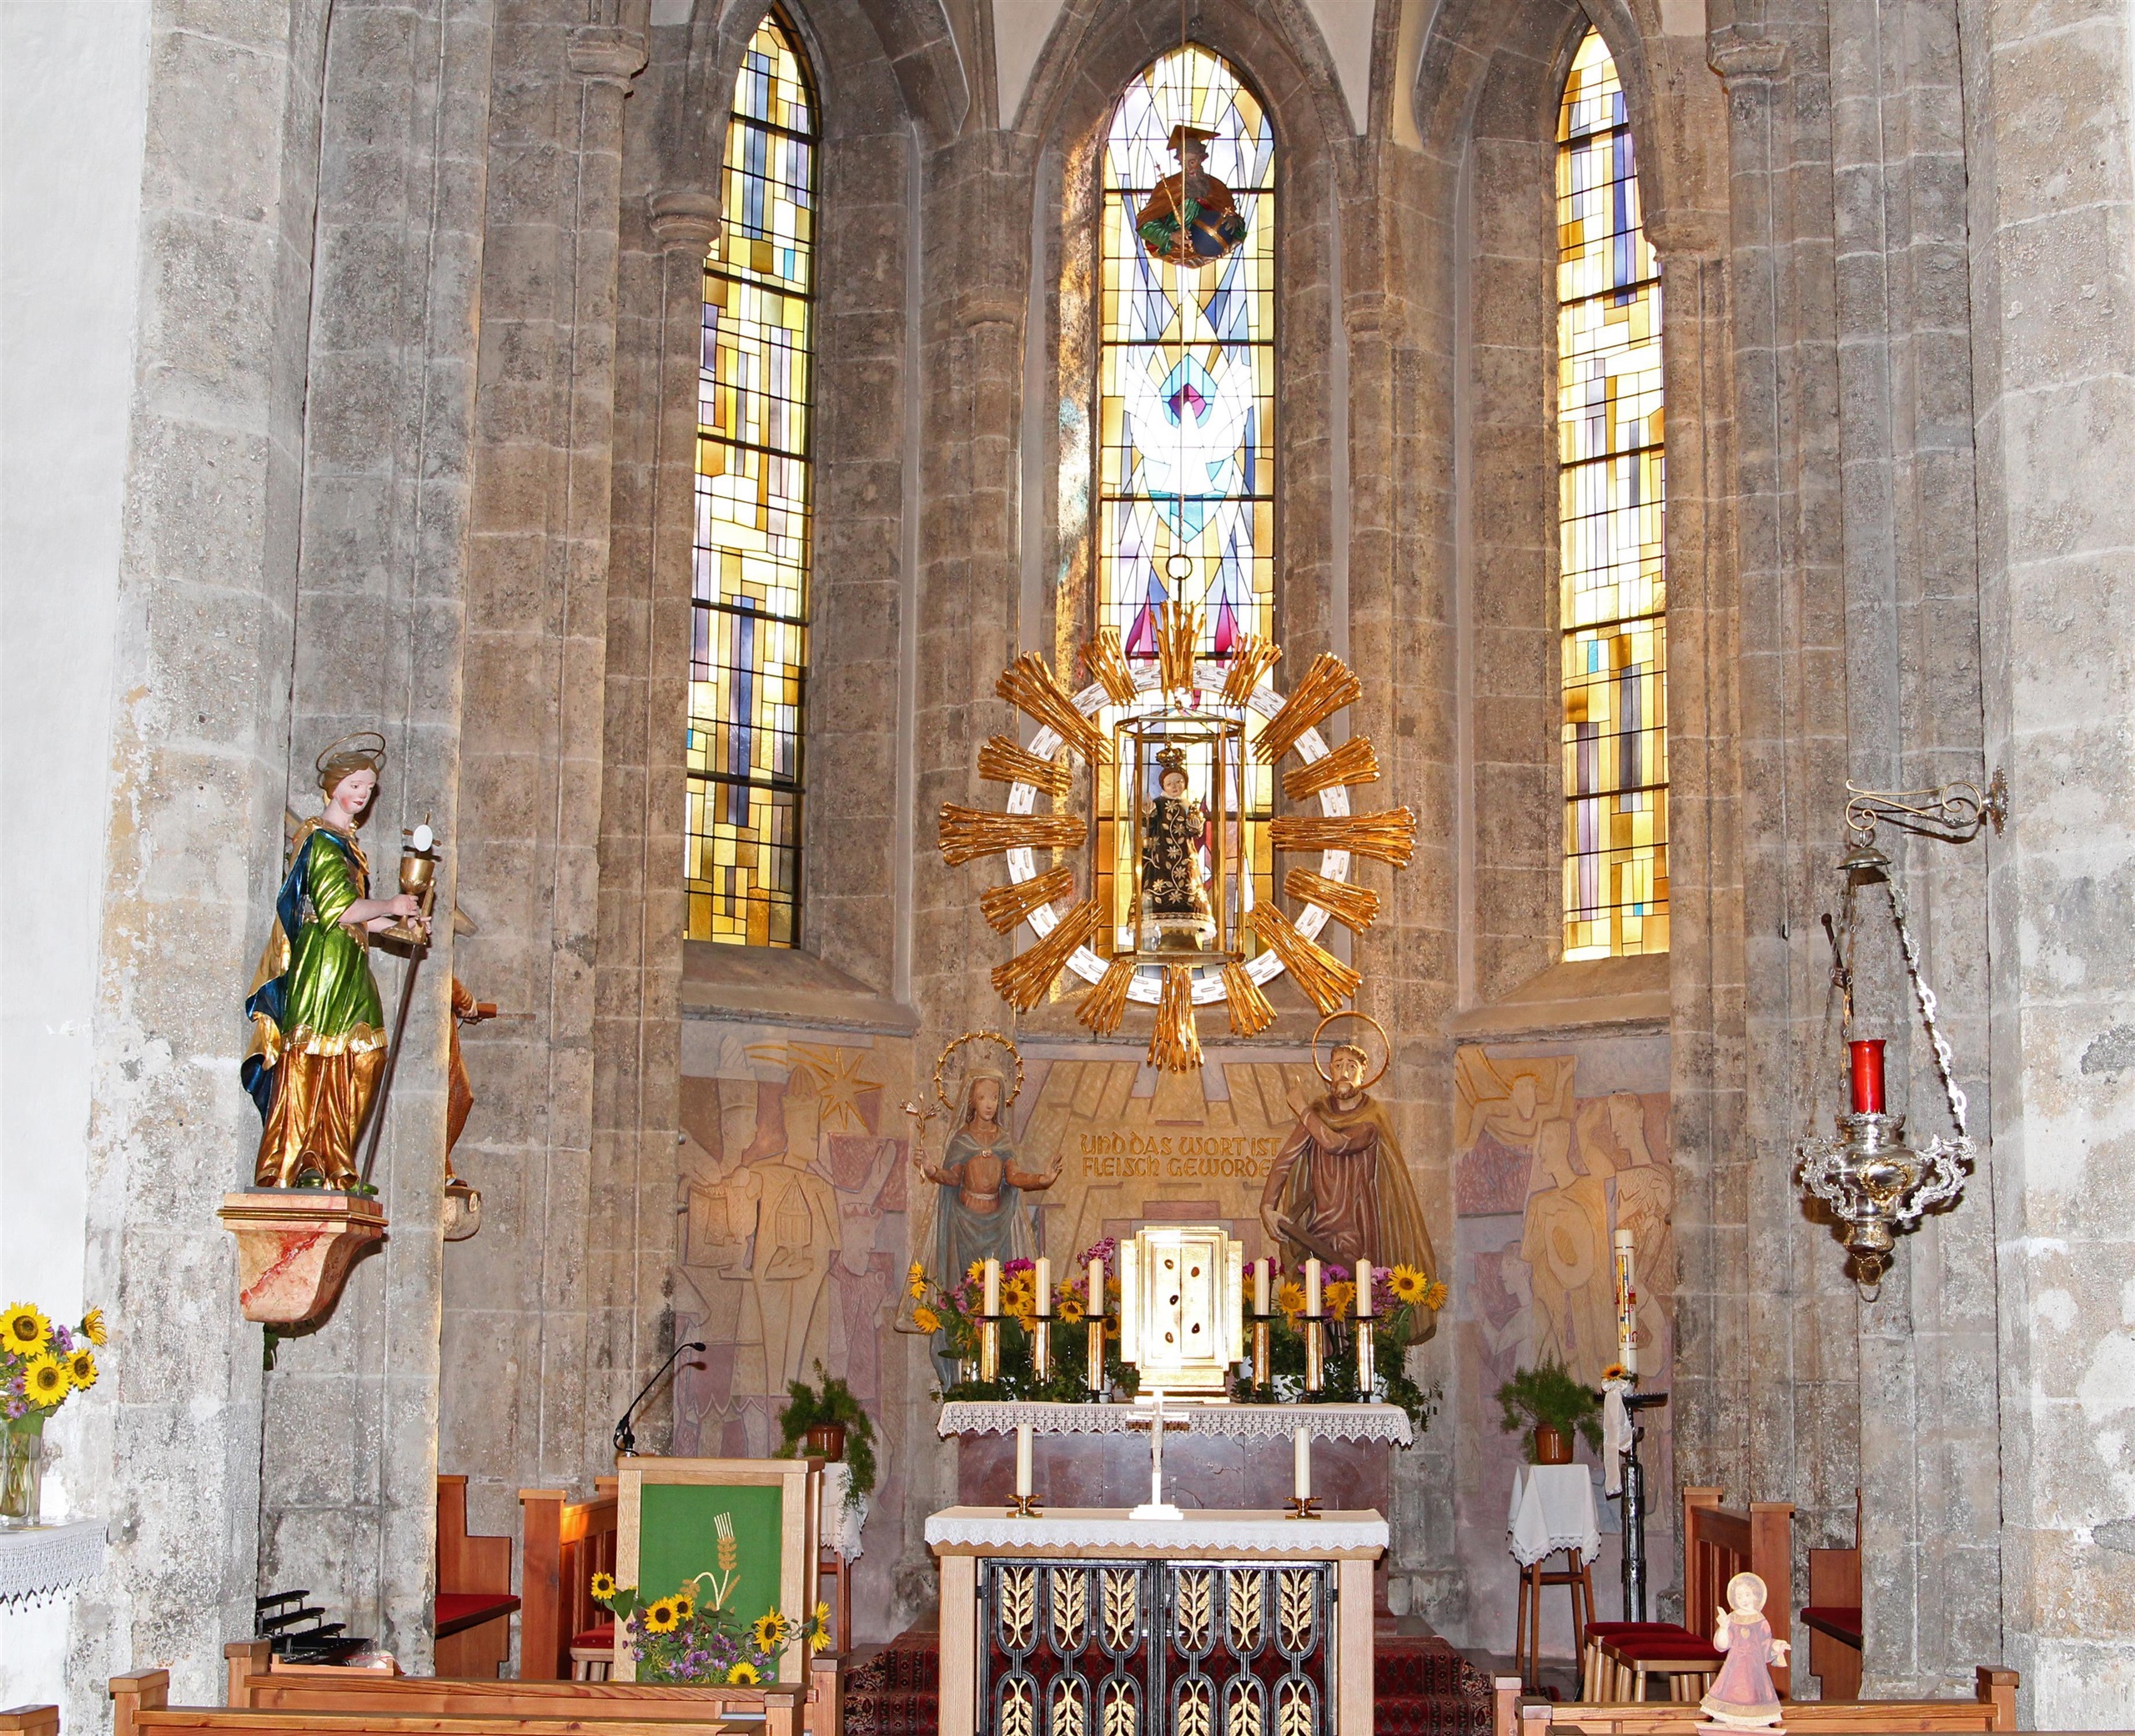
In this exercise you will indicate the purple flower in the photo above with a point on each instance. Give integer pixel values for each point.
(1106, 1251)
(1020, 1265)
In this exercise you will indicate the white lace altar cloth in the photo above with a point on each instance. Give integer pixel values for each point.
(1552, 1510)
(1236, 1421)
(1071, 1530)
(41, 1561)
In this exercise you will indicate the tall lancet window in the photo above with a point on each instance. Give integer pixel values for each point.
(1611, 511)
(1186, 408)
(749, 654)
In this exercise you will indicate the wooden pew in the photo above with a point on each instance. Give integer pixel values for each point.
(432, 1706)
(563, 1544)
(1832, 1616)
(1992, 1707)
(254, 1686)
(30, 1721)
(474, 1604)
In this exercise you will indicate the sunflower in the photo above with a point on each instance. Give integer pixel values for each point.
(603, 1587)
(23, 1330)
(1068, 1306)
(1409, 1285)
(44, 1382)
(1289, 1298)
(685, 1606)
(1339, 1295)
(915, 1281)
(743, 1675)
(926, 1319)
(661, 1617)
(975, 1273)
(92, 1326)
(770, 1631)
(1434, 1297)
(81, 1368)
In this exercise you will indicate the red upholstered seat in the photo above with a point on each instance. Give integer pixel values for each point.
(457, 1611)
(600, 1638)
(1841, 1621)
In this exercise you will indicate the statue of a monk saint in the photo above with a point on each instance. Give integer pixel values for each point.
(318, 1029)
(981, 1214)
(1339, 1180)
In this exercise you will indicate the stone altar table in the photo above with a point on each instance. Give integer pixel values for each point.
(1081, 1620)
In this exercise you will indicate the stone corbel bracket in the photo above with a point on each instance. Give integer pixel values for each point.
(607, 53)
(294, 1247)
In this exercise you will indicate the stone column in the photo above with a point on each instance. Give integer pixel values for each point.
(522, 1300)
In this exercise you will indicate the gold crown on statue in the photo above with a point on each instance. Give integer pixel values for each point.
(1171, 758)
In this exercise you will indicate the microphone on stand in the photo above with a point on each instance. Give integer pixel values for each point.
(626, 1439)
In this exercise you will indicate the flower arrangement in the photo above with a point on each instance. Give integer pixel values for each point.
(690, 1634)
(1404, 1300)
(42, 1365)
(952, 1312)
(832, 1404)
(1548, 1397)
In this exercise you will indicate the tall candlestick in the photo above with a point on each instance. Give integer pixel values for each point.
(1367, 1368)
(1363, 1289)
(1260, 1286)
(1096, 1326)
(1157, 1453)
(1043, 1277)
(1312, 1288)
(1301, 1453)
(1867, 1075)
(1626, 1301)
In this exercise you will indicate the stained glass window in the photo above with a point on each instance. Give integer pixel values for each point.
(1611, 513)
(1185, 428)
(749, 657)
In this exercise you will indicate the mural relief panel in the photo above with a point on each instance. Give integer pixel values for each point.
(1554, 1151)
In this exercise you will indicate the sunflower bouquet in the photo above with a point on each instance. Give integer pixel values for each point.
(1404, 1300)
(687, 1636)
(41, 1367)
(952, 1312)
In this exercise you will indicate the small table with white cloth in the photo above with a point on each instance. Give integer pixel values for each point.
(1552, 1510)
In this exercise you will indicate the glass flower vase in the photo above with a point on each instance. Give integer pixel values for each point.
(22, 1470)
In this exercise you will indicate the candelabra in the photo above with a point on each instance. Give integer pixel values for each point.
(1874, 1183)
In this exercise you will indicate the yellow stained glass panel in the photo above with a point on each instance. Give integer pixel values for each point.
(749, 657)
(1611, 522)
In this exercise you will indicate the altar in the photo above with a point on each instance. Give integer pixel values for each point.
(1081, 1620)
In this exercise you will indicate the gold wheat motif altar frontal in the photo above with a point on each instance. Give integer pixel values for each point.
(1165, 899)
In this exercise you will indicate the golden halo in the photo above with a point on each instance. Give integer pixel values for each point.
(979, 1037)
(365, 744)
(1344, 1012)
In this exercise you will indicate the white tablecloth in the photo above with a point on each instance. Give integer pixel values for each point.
(1238, 1421)
(1552, 1510)
(1070, 1529)
(40, 1561)
(842, 1518)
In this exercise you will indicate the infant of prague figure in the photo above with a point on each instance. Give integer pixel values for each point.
(1742, 1696)
(981, 1216)
(318, 1029)
(1172, 828)
(1190, 219)
(1339, 1187)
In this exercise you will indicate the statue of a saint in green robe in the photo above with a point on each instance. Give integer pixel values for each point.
(318, 1029)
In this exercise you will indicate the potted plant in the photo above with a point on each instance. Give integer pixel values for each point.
(829, 1418)
(41, 1367)
(1546, 1401)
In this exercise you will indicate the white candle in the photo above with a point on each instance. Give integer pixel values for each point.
(1157, 1452)
(1044, 1288)
(1302, 1448)
(1626, 1301)
(1363, 1289)
(1312, 1288)
(1022, 1462)
(1260, 1286)
(993, 1286)
(1096, 1286)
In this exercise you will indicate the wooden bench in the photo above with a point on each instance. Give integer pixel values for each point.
(1832, 1616)
(783, 1710)
(475, 1604)
(563, 1544)
(30, 1721)
(140, 1706)
(1618, 1657)
(1992, 1707)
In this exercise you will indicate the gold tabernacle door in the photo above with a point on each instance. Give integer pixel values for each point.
(1180, 1287)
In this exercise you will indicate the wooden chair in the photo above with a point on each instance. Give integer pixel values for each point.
(1620, 1659)
(474, 1604)
(1578, 1579)
(1993, 1707)
(1832, 1616)
(562, 1632)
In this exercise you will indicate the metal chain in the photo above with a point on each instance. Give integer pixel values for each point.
(1926, 997)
